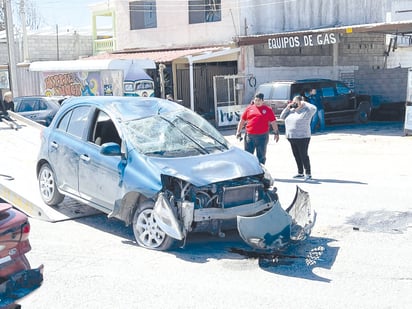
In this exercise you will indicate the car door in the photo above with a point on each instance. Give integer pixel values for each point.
(41, 112)
(100, 175)
(346, 95)
(66, 145)
(27, 108)
(332, 102)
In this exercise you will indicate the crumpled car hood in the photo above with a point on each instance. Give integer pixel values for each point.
(205, 169)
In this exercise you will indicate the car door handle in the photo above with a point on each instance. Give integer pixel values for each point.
(54, 145)
(85, 158)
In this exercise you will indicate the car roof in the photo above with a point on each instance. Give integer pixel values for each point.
(39, 97)
(125, 107)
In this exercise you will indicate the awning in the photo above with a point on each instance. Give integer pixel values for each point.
(403, 28)
(91, 65)
(166, 56)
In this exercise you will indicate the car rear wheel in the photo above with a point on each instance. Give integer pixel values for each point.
(47, 185)
(146, 231)
(363, 113)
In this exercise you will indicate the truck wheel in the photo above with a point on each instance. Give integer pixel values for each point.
(146, 231)
(363, 113)
(47, 185)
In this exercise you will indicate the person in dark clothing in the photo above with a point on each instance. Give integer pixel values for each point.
(8, 104)
(319, 116)
(257, 117)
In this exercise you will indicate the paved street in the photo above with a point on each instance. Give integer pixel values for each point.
(358, 255)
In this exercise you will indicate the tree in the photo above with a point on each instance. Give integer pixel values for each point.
(2, 19)
(33, 18)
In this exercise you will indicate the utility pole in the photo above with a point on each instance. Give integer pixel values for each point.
(24, 30)
(11, 47)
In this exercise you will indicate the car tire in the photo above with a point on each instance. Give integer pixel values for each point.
(146, 231)
(47, 185)
(363, 113)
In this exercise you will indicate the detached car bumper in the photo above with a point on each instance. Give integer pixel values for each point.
(277, 228)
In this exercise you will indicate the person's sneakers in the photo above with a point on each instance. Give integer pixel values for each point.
(299, 176)
(308, 177)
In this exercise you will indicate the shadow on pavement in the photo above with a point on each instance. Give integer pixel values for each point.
(319, 181)
(296, 261)
(384, 128)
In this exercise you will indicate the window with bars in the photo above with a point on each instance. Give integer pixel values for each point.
(143, 14)
(204, 11)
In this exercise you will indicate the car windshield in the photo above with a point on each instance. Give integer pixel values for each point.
(281, 92)
(174, 134)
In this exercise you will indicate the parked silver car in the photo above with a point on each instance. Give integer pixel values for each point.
(165, 170)
(40, 109)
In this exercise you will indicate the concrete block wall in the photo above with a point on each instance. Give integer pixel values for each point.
(362, 49)
(51, 47)
(385, 85)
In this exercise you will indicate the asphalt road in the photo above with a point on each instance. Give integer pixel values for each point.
(358, 256)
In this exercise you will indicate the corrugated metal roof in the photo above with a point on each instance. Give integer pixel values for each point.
(159, 56)
(88, 65)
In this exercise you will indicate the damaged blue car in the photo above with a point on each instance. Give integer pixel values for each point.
(164, 170)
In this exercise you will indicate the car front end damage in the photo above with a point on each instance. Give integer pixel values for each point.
(249, 204)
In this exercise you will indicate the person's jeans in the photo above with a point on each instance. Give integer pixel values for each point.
(319, 116)
(300, 152)
(259, 143)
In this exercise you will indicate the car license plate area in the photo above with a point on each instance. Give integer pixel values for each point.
(5, 259)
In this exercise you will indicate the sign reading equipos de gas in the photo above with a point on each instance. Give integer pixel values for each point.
(303, 40)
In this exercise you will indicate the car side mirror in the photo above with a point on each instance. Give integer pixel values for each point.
(110, 149)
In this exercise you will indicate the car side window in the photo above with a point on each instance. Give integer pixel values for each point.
(64, 122)
(342, 89)
(75, 121)
(328, 91)
(104, 130)
(78, 121)
(41, 106)
(26, 106)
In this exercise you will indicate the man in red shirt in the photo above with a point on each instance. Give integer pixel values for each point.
(257, 117)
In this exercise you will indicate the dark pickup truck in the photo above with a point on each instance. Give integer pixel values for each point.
(341, 104)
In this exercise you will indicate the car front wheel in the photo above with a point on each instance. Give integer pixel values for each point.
(146, 231)
(47, 185)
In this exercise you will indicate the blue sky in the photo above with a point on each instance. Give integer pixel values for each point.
(74, 13)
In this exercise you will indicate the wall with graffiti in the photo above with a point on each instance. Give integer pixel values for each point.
(82, 83)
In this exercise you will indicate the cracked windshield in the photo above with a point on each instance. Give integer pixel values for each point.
(176, 134)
